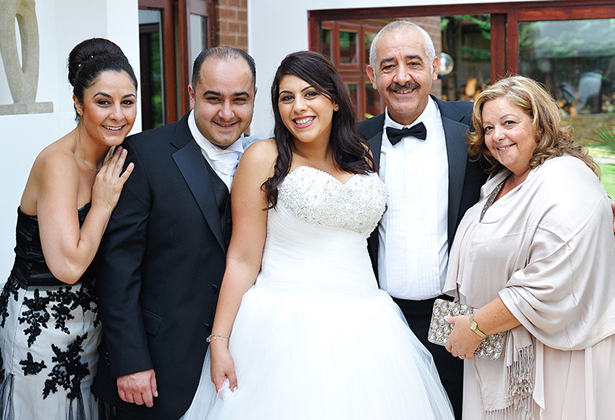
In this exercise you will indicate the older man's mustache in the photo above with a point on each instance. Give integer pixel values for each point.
(396, 87)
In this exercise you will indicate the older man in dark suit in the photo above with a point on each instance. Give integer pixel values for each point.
(420, 146)
(163, 256)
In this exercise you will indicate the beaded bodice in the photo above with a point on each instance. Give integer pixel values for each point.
(318, 198)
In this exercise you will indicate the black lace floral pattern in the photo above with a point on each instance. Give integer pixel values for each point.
(68, 300)
(10, 288)
(31, 367)
(69, 371)
(36, 316)
(53, 309)
(56, 305)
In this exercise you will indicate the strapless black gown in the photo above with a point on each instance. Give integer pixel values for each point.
(49, 334)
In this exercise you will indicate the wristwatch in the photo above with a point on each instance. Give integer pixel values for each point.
(474, 327)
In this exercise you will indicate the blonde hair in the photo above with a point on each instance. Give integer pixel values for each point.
(553, 136)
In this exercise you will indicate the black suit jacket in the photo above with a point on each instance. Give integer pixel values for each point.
(160, 266)
(465, 178)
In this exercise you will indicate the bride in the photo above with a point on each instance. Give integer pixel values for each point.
(301, 329)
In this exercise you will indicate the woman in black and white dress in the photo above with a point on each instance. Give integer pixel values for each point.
(49, 329)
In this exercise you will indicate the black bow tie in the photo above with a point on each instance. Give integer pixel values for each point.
(395, 135)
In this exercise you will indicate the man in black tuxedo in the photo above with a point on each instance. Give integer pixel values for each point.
(420, 146)
(163, 255)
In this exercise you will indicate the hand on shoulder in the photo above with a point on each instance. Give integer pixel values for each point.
(110, 180)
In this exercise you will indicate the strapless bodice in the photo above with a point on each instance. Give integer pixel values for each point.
(316, 235)
(318, 198)
(30, 268)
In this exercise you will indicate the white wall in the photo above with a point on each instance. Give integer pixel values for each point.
(279, 27)
(62, 24)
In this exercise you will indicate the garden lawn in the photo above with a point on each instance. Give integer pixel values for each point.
(608, 178)
(605, 158)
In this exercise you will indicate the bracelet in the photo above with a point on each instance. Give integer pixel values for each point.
(216, 336)
(474, 327)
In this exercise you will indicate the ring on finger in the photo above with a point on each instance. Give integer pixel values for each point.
(461, 357)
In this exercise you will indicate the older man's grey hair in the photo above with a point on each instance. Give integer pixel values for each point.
(402, 26)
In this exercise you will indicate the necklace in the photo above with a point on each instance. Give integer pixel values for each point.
(81, 155)
(491, 199)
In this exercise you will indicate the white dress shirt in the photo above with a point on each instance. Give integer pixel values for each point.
(223, 161)
(413, 242)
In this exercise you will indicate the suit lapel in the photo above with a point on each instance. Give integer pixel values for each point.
(371, 130)
(375, 144)
(374, 136)
(192, 165)
(457, 153)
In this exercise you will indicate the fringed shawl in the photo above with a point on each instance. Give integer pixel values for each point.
(547, 249)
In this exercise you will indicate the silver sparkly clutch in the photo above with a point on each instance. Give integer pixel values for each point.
(491, 348)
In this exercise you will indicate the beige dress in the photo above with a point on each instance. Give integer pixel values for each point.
(547, 249)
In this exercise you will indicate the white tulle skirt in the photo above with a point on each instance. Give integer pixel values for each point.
(309, 356)
(314, 338)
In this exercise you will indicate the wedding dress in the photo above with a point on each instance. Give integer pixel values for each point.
(315, 338)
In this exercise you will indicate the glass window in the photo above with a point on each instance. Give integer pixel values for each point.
(353, 88)
(372, 101)
(348, 47)
(198, 35)
(466, 38)
(575, 59)
(152, 87)
(325, 42)
(368, 39)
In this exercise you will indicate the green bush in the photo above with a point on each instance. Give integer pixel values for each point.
(604, 136)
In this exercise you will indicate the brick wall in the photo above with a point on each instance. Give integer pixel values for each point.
(232, 23)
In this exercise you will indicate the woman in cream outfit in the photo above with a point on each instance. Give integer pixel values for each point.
(536, 255)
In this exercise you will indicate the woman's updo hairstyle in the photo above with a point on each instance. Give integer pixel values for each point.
(92, 57)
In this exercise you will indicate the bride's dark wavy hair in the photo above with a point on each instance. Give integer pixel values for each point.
(350, 152)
